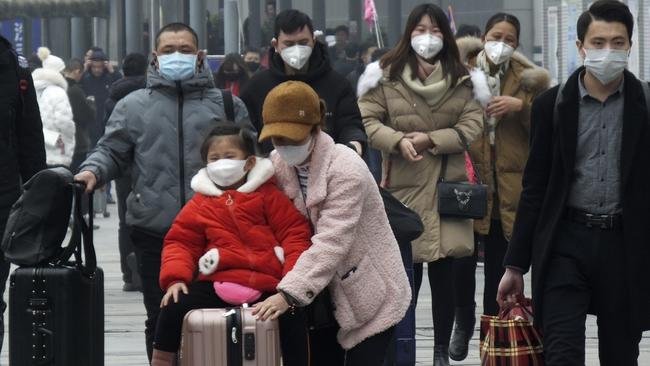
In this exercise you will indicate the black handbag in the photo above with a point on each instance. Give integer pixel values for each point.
(459, 199)
(404, 222)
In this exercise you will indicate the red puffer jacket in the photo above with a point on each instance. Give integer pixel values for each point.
(258, 233)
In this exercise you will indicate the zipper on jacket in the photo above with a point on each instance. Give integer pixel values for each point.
(181, 145)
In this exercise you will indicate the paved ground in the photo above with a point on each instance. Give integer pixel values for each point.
(125, 314)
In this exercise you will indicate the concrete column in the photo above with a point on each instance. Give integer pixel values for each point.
(133, 19)
(254, 21)
(169, 12)
(394, 23)
(355, 10)
(231, 26)
(538, 32)
(154, 23)
(100, 33)
(79, 36)
(116, 38)
(318, 14)
(198, 21)
(283, 5)
(58, 43)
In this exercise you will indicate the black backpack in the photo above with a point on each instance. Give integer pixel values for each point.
(38, 221)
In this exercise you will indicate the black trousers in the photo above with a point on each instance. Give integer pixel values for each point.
(148, 249)
(372, 351)
(586, 274)
(465, 277)
(495, 245)
(4, 274)
(307, 345)
(442, 296)
(123, 188)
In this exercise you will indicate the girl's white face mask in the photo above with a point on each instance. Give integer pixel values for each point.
(606, 64)
(427, 45)
(226, 172)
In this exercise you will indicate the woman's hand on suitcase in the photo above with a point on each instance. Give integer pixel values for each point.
(174, 291)
(271, 308)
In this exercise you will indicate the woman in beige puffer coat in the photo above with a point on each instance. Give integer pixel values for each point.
(414, 104)
(501, 154)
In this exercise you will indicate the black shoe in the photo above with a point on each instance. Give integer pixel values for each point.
(110, 200)
(130, 287)
(463, 332)
(440, 356)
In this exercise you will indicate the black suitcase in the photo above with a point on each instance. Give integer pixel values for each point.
(56, 311)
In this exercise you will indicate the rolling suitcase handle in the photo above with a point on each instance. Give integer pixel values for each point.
(82, 235)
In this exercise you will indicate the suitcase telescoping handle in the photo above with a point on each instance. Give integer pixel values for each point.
(82, 234)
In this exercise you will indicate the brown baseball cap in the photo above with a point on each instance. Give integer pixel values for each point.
(291, 110)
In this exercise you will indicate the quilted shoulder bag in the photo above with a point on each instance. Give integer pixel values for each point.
(461, 199)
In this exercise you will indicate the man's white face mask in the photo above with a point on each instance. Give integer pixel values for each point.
(606, 64)
(296, 56)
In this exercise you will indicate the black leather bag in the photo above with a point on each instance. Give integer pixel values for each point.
(459, 199)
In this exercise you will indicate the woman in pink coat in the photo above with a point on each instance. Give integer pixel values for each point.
(354, 253)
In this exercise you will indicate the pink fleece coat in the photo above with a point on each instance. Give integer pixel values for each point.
(353, 251)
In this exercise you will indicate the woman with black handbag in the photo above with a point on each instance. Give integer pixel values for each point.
(417, 105)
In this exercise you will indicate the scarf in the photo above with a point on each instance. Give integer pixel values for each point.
(434, 88)
(494, 83)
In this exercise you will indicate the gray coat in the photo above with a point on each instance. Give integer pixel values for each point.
(157, 132)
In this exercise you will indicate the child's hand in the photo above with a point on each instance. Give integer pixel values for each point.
(271, 308)
(209, 261)
(173, 291)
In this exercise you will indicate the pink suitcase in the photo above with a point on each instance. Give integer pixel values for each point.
(229, 337)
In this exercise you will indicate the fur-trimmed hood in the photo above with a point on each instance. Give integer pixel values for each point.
(46, 77)
(374, 74)
(260, 174)
(532, 78)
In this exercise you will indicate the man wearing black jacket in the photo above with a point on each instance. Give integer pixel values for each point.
(296, 55)
(582, 221)
(83, 112)
(22, 151)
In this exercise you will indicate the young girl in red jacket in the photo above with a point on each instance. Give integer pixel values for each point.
(239, 230)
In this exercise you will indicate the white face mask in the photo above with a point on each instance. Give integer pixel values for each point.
(426, 45)
(296, 56)
(295, 155)
(606, 64)
(226, 172)
(498, 52)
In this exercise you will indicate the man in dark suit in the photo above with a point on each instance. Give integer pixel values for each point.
(582, 221)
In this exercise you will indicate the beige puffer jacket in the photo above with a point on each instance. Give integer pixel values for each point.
(503, 173)
(390, 110)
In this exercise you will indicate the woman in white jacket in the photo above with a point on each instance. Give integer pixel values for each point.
(56, 112)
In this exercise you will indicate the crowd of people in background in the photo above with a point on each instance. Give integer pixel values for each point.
(335, 122)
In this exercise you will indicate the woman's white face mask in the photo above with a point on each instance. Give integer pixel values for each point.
(498, 52)
(295, 155)
(427, 45)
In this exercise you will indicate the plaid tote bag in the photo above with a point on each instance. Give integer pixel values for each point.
(511, 339)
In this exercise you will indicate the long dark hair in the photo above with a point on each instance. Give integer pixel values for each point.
(449, 57)
(228, 61)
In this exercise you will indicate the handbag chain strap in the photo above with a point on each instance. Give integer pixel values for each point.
(445, 159)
